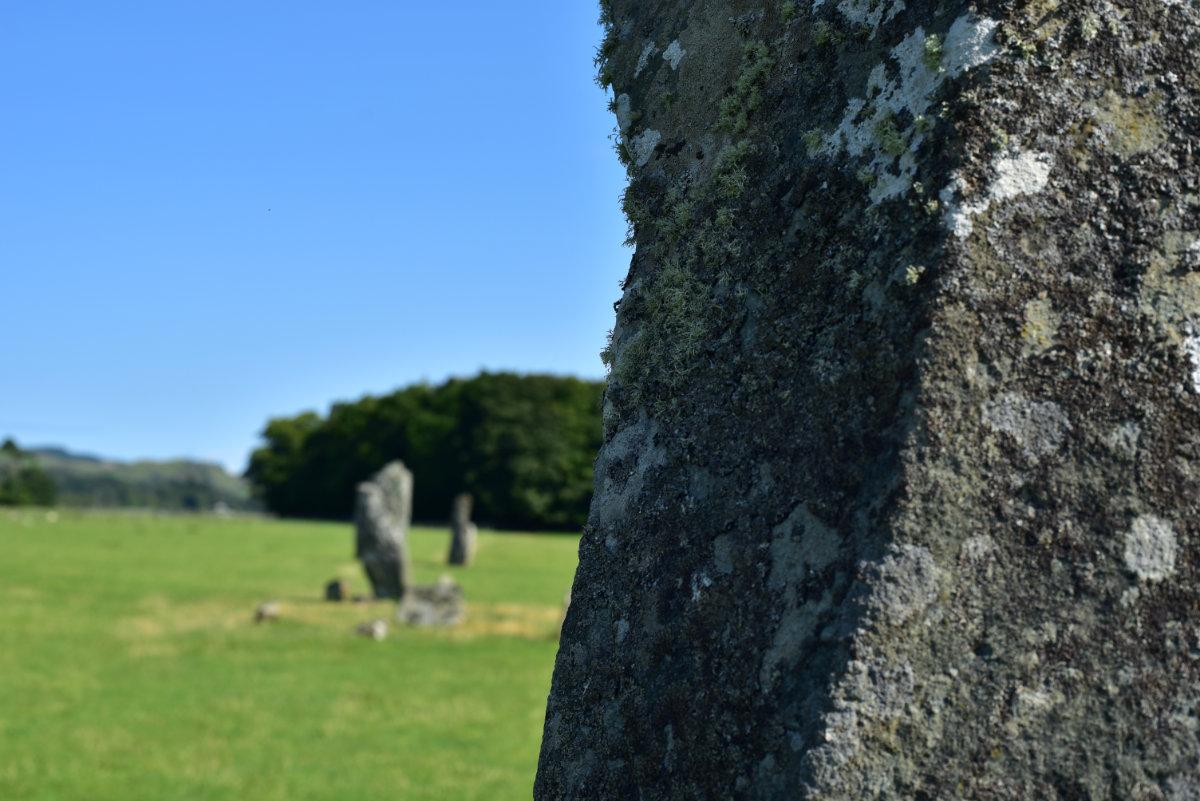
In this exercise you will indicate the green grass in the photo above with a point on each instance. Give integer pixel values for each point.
(130, 667)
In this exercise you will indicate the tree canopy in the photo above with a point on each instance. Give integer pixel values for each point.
(22, 481)
(523, 445)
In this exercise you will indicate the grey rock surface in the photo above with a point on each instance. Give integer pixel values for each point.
(373, 629)
(463, 533)
(267, 612)
(899, 488)
(382, 514)
(438, 604)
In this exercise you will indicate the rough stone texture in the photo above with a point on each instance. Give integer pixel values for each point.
(463, 534)
(382, 514)
(439, 604)
(898, 495)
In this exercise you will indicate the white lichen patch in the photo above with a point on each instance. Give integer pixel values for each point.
(1191, 347)
(890, 126)
(1123, 439)
(1025, 173)
(1029, 704)
(647, 53)
(1150, 548)
(977, 550)
(969, 43)
(624, 112)
(871, 13)
(1192, 253)
(1022, 174)
(643, 146)
(1038, 427)
(674, 54)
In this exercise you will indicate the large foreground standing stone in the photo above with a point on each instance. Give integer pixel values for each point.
(463, 534)
(899, 491)
(383, 511)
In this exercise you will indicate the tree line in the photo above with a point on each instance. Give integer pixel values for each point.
(22, 480)
(523, 445)
(55, 476)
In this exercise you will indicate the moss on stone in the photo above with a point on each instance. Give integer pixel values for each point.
(814, 140)
(825, 35)
(672, 313)
(888, 135)
(745, 96)
(932, 52)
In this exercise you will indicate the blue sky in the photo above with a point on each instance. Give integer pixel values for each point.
(216, 212)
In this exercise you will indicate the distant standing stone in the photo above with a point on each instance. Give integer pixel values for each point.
(383, 511)
(463, 533)
(335, 590)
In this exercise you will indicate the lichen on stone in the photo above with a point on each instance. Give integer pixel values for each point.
(914, 518)
(871, 13)
(674, 54)
(644, 145)
(905, 583)
(1150, 548)
(1022, 173)
(1040, 327)
(644, 59)
(870, 126)
(1038, 427)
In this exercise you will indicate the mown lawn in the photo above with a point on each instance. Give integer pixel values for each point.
(130, 667)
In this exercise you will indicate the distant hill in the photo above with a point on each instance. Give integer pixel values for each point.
(180, 484)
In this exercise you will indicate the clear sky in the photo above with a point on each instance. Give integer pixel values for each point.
(214, 212)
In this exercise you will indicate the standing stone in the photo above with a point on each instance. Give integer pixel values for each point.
(382, 514)
(463, 533)
(900, 485)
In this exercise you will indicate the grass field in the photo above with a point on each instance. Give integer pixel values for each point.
(130, 667)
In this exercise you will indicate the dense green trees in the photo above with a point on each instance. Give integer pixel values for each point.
(523, 445)
(22, 481)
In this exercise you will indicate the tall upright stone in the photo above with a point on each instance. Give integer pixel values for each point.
(463, 534)
(382, 514)
(900, 483)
